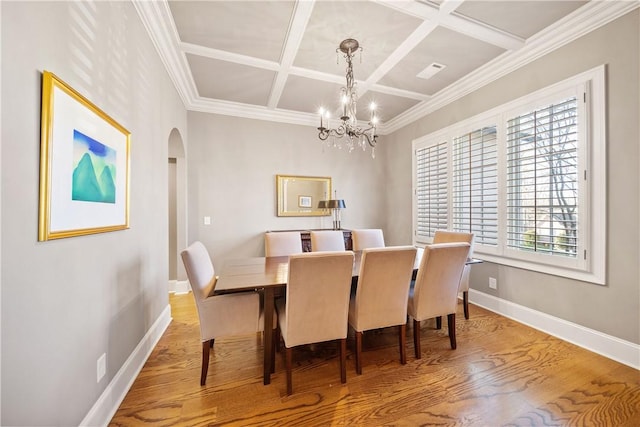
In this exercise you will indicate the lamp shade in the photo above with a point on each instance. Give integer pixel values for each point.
(322, 204)
(336, 204)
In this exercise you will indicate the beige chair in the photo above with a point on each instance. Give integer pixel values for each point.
(219, 315)
(317, 304)
(442, 236)
(436, 288)
(367, 238)
(282, 243)
(381, 295)
(327, 240)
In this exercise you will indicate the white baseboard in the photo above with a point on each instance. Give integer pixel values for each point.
(107, 404)
(179, 287)
(609, 346)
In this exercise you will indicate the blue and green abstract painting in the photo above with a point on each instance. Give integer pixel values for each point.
(94, 170)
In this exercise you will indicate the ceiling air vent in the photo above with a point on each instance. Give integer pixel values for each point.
(431, 70)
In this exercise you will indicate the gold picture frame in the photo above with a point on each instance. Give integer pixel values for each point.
(84, 165)
(299, 195)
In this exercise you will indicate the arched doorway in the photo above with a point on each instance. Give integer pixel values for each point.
(177, 205)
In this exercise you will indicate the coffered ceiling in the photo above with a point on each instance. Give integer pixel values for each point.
(277, 60)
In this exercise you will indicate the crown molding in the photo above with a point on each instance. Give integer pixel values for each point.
(236, 109)
(156, 17)
(586, 19)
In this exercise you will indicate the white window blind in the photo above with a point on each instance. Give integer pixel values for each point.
(542, 180)
(475, 185)
(431, 189)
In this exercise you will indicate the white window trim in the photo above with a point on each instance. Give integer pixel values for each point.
(594, 194)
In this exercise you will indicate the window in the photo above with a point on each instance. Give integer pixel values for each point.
(527, 178)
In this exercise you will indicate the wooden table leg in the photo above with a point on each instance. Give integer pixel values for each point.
(268, 332)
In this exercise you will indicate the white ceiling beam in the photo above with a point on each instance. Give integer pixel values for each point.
(223, 55)
(460, 24)
(400, 53)
(333, 78)
(449, 6)
(296, 30)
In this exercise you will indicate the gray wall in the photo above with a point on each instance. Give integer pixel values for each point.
(66, 302)
(613, 309)
(232, 164)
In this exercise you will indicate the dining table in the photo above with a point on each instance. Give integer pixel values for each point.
(270, 275)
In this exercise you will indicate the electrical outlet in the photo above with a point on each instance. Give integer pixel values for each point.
(207, 220)
(493, 283)
(102, 366)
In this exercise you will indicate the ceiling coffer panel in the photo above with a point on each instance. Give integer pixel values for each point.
(521, 18)
(254, 28)
(231, 82)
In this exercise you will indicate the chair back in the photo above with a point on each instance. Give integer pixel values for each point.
(327, 240)
(383, 288)
(200, 272)
(443, 236)
(317, 297)
(367, 238)
(282, 243)
(436, 287)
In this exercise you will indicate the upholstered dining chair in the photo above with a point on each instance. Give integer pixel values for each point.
(316, 305)
(381, 295)
(327, 240)
(367, 238)
(443, 236)
(435, 293)
(219, 315)
(282, 243)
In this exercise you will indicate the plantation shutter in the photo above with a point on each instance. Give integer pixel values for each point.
(542, 180)
(431, 190)
(475, 185)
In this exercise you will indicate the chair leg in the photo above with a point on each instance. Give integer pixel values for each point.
(287, 357)
(211, 343)
(276, 339)
(358, 353)
(439, 322)
(451, 323)
(206, 346)
(273, 350)
(465, 304)
(402, 331)
(416, 338)
(343, 360)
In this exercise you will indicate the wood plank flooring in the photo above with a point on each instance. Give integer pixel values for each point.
(502, 374)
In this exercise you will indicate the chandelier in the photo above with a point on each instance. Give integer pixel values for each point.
(347, 126)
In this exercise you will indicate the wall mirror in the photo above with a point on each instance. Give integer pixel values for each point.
(299, 195)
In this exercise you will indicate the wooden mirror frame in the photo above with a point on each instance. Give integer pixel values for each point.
(299, 195)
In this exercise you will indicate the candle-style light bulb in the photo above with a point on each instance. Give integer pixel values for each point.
(321, 111)
(345, 99)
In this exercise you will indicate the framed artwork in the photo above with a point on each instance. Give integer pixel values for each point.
(84, 165)
(304, 201)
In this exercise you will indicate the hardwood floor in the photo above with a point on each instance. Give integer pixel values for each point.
(503, 373)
